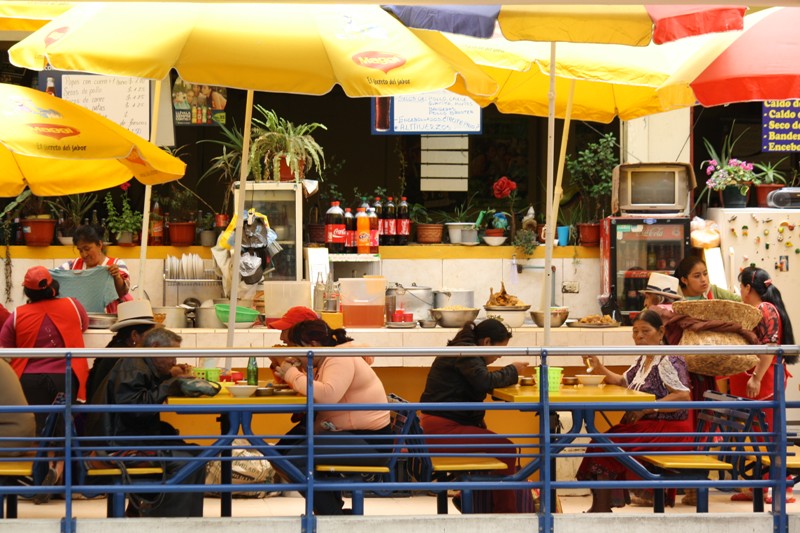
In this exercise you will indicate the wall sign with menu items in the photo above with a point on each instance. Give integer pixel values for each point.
(780, 126)
(123, 100)
(427, 113)
(198, 105)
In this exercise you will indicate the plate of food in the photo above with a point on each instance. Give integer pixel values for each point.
(401, 325)
(594, 321)
(285, 392)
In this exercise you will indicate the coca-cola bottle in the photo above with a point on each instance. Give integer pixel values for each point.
(389, 222)
(364, 203)
(373, 231)
(403, 222)
(350, 235)
(335, 231)
(378, 206)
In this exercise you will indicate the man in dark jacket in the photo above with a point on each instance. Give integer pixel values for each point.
(148, 381)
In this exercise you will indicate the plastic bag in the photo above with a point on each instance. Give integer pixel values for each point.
(705, 233)
(248, 467)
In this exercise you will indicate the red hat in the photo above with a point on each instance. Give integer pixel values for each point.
(37, 278)
(293, 316)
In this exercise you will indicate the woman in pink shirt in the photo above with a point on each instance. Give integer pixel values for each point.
(336, 380)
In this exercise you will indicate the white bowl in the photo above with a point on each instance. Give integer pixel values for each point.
(242, 391)
(494, 241)
(590, 380)
(511, 318)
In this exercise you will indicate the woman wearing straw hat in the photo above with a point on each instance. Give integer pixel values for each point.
(659, 294)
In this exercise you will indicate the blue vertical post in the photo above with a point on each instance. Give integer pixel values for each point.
(309, 521)
(778, 463)
(67, 524)
(547, 498)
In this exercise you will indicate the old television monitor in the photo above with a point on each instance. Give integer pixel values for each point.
(653, 189)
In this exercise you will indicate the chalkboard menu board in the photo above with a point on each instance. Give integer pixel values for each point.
(426, 113)
(124, 100)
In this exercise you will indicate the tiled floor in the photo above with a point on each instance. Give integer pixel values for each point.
(293, 504)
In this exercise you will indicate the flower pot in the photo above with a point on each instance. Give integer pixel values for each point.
(494, 232)
(125, 238)
(286, 172)
(763, 190)
(429, 233)
(208, 238)
(731, 196)
(38, 231)
(589, 234)
(454, 230)
(182, 233)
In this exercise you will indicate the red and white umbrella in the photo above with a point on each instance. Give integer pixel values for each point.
(757, 63)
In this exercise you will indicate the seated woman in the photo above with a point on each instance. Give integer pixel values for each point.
(664, 376)
(336, 380)
(468, 379)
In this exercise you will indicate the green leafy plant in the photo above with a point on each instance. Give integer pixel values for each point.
(591, 171)
(768, 173)
(419, 214)
(7, 217)
(525, 241)
(275, 138)
(74, 208)
(127, 219)
(465, 212)
(227, 166)
(724, 170)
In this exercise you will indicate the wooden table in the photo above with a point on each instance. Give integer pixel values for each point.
(236, 422)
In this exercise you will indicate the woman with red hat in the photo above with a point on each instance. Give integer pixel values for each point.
(46, 321)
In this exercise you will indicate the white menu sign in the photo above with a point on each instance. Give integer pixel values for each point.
(436, 112)
(123, 100)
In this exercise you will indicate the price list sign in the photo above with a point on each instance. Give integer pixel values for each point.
(780, 126)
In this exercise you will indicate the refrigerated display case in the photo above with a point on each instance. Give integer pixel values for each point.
(282, 203)
(632, 248)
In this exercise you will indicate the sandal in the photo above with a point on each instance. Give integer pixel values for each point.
(742, 497)
(50, 479)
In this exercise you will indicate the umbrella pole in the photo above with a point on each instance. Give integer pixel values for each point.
(148, 190)
(548, 254)
(237, 241)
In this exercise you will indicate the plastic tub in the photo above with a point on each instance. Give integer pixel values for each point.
(210, 374)
(243, 314)
(363, 301)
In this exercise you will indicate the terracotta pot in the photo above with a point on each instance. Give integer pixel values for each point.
(286, 172)
(38, 231)
(589, 234)
(429, 233)
(494, 232)
(182, 233)
(763, 190)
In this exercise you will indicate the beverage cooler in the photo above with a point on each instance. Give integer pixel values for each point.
(632, 248)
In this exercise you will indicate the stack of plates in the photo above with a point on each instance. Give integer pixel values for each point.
(189, 266)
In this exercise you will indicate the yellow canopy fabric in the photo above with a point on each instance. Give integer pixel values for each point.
(300, 49)
(29, 16)
(610, 80)
(56, 148)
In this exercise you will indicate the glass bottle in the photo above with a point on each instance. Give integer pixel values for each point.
(51, 86)
(252, 371)
(319, 294)
(95, 219)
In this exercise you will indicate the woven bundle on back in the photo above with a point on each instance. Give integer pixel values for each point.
(716, 365)
(745, 315)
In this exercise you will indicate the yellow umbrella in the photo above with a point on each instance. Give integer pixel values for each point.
(609, 80)
(29, 16)
(56, 148)
(303, 49)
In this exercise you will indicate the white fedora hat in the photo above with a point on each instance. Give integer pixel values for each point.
(133, 313)
(663, 285)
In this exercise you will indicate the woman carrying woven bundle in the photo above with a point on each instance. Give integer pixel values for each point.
(664, 376)
(692, 273)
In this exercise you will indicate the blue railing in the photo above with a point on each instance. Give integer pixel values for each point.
(537, 456)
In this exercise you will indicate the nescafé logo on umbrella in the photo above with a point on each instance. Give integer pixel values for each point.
(384, 61)
(55, 35)
(56, 131)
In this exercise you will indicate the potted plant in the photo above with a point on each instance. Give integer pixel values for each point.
(281, 150)
(38, 224)
(127, 222)
(181, 203)
(726, 174)
(591, 172)
(526, 241)
(587, 233)
(462, 219)
(767, 179)
(208, 236)
(71, 209)
(427, 231)
(8, 237)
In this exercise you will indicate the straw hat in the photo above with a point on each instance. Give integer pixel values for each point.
(133, 314)
(663, 285)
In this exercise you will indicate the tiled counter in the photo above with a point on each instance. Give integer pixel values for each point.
(260, 337)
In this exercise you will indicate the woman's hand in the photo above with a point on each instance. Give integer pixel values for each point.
(520, 366)
(631, 417)
(592, 362)
(753, 386)
(113, 270)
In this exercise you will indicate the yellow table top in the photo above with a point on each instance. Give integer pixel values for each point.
(573, 393)
(226, 398)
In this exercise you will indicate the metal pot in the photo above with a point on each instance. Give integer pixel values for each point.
(448, 297)
(413, 299)
(206, 317)
(171, 317)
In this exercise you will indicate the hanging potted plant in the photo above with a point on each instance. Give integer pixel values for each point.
(767, 179)
(126, 223)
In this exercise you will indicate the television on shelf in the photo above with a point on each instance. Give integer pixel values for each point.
(653, 189)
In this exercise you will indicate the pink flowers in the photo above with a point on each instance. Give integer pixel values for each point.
(735, 173)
